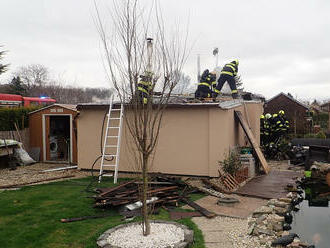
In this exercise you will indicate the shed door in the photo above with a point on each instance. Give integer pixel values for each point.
(47, 137)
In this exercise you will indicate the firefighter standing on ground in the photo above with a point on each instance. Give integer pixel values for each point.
(264, 129)
(228, 73)
(284, 122)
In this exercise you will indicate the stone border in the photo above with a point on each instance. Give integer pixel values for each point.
(102, 241)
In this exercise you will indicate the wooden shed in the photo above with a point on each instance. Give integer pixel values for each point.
(53, 131)
(192, 139)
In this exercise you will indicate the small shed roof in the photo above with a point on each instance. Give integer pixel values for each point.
(66, 106)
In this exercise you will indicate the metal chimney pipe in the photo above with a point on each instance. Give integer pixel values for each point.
(149, 54)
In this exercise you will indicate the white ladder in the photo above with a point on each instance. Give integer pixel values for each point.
(111, 150)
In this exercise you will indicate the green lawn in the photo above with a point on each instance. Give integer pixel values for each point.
(30, 217)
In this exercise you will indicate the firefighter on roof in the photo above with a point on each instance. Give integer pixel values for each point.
(144, 87)
(228, 73)
(206, 85)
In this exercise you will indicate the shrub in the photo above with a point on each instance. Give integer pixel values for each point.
(321, 135)
(232, 163)
(10, 116)
(309, 135)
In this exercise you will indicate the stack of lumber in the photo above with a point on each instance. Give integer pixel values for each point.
(130, 192)
(162, 192)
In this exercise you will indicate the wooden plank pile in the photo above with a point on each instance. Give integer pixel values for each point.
(164, 191)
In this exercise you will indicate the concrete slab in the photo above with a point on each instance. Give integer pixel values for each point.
(243, 209)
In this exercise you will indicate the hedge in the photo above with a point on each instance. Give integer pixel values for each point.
(9, 116)
(321, 119)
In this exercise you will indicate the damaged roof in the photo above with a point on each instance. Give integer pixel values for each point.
(223, 104)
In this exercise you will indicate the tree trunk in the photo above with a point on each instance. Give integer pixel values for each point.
(145, 219)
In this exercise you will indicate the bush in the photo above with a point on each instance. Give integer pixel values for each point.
(321, 119)
(309, 135)
(10, 116)
(321, 135)
(232, 163)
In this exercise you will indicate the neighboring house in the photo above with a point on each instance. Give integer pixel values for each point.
(295, 111)
(326, 106)
(194, 137)
(315, 107)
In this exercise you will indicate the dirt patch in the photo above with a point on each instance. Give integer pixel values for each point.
(243, 209)
(33, 173)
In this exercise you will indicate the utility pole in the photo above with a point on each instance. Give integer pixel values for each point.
(216, 55)
(198, 67)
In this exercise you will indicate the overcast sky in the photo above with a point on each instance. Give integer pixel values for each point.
(282, 45)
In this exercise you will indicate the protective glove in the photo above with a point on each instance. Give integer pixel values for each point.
(214, 95)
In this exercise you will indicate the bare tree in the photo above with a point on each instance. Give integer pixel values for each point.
(128, 57)
(33, 75)
(183, 84)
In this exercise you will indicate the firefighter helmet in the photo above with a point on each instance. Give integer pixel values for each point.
(281, 112)
(268, 116)
(262, 117)
(235, 61)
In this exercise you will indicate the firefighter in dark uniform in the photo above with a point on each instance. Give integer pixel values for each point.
(263, 130)
(144, 87)
(228, 73)
(267, 142)
(206, 84)
(276, 127)
(284, 125)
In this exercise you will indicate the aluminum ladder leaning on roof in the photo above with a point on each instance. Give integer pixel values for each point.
(111, 142)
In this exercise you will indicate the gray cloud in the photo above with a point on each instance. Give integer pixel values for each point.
(282, 45)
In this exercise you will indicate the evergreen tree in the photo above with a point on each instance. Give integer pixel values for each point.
(239, 82)
(17, 87)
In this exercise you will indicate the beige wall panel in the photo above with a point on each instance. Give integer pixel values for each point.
(192, 139)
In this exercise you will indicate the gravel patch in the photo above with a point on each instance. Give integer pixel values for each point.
(227, 232)
(161, 236)
(32, 173)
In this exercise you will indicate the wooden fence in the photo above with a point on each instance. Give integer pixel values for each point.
(21, 136)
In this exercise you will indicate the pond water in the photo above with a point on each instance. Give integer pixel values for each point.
(312, 221)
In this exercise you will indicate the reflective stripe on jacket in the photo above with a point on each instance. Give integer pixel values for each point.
(145, 87)
(230, 69)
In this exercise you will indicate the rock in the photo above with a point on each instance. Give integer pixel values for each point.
(288, 200)
(251, 221)
(264, 231)
(277, 227)
(280, 211)
(271, 202)
(281, 204)
(251, 229)
(275, 218)
(261, 219)
(262, 210)
(289, 195)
